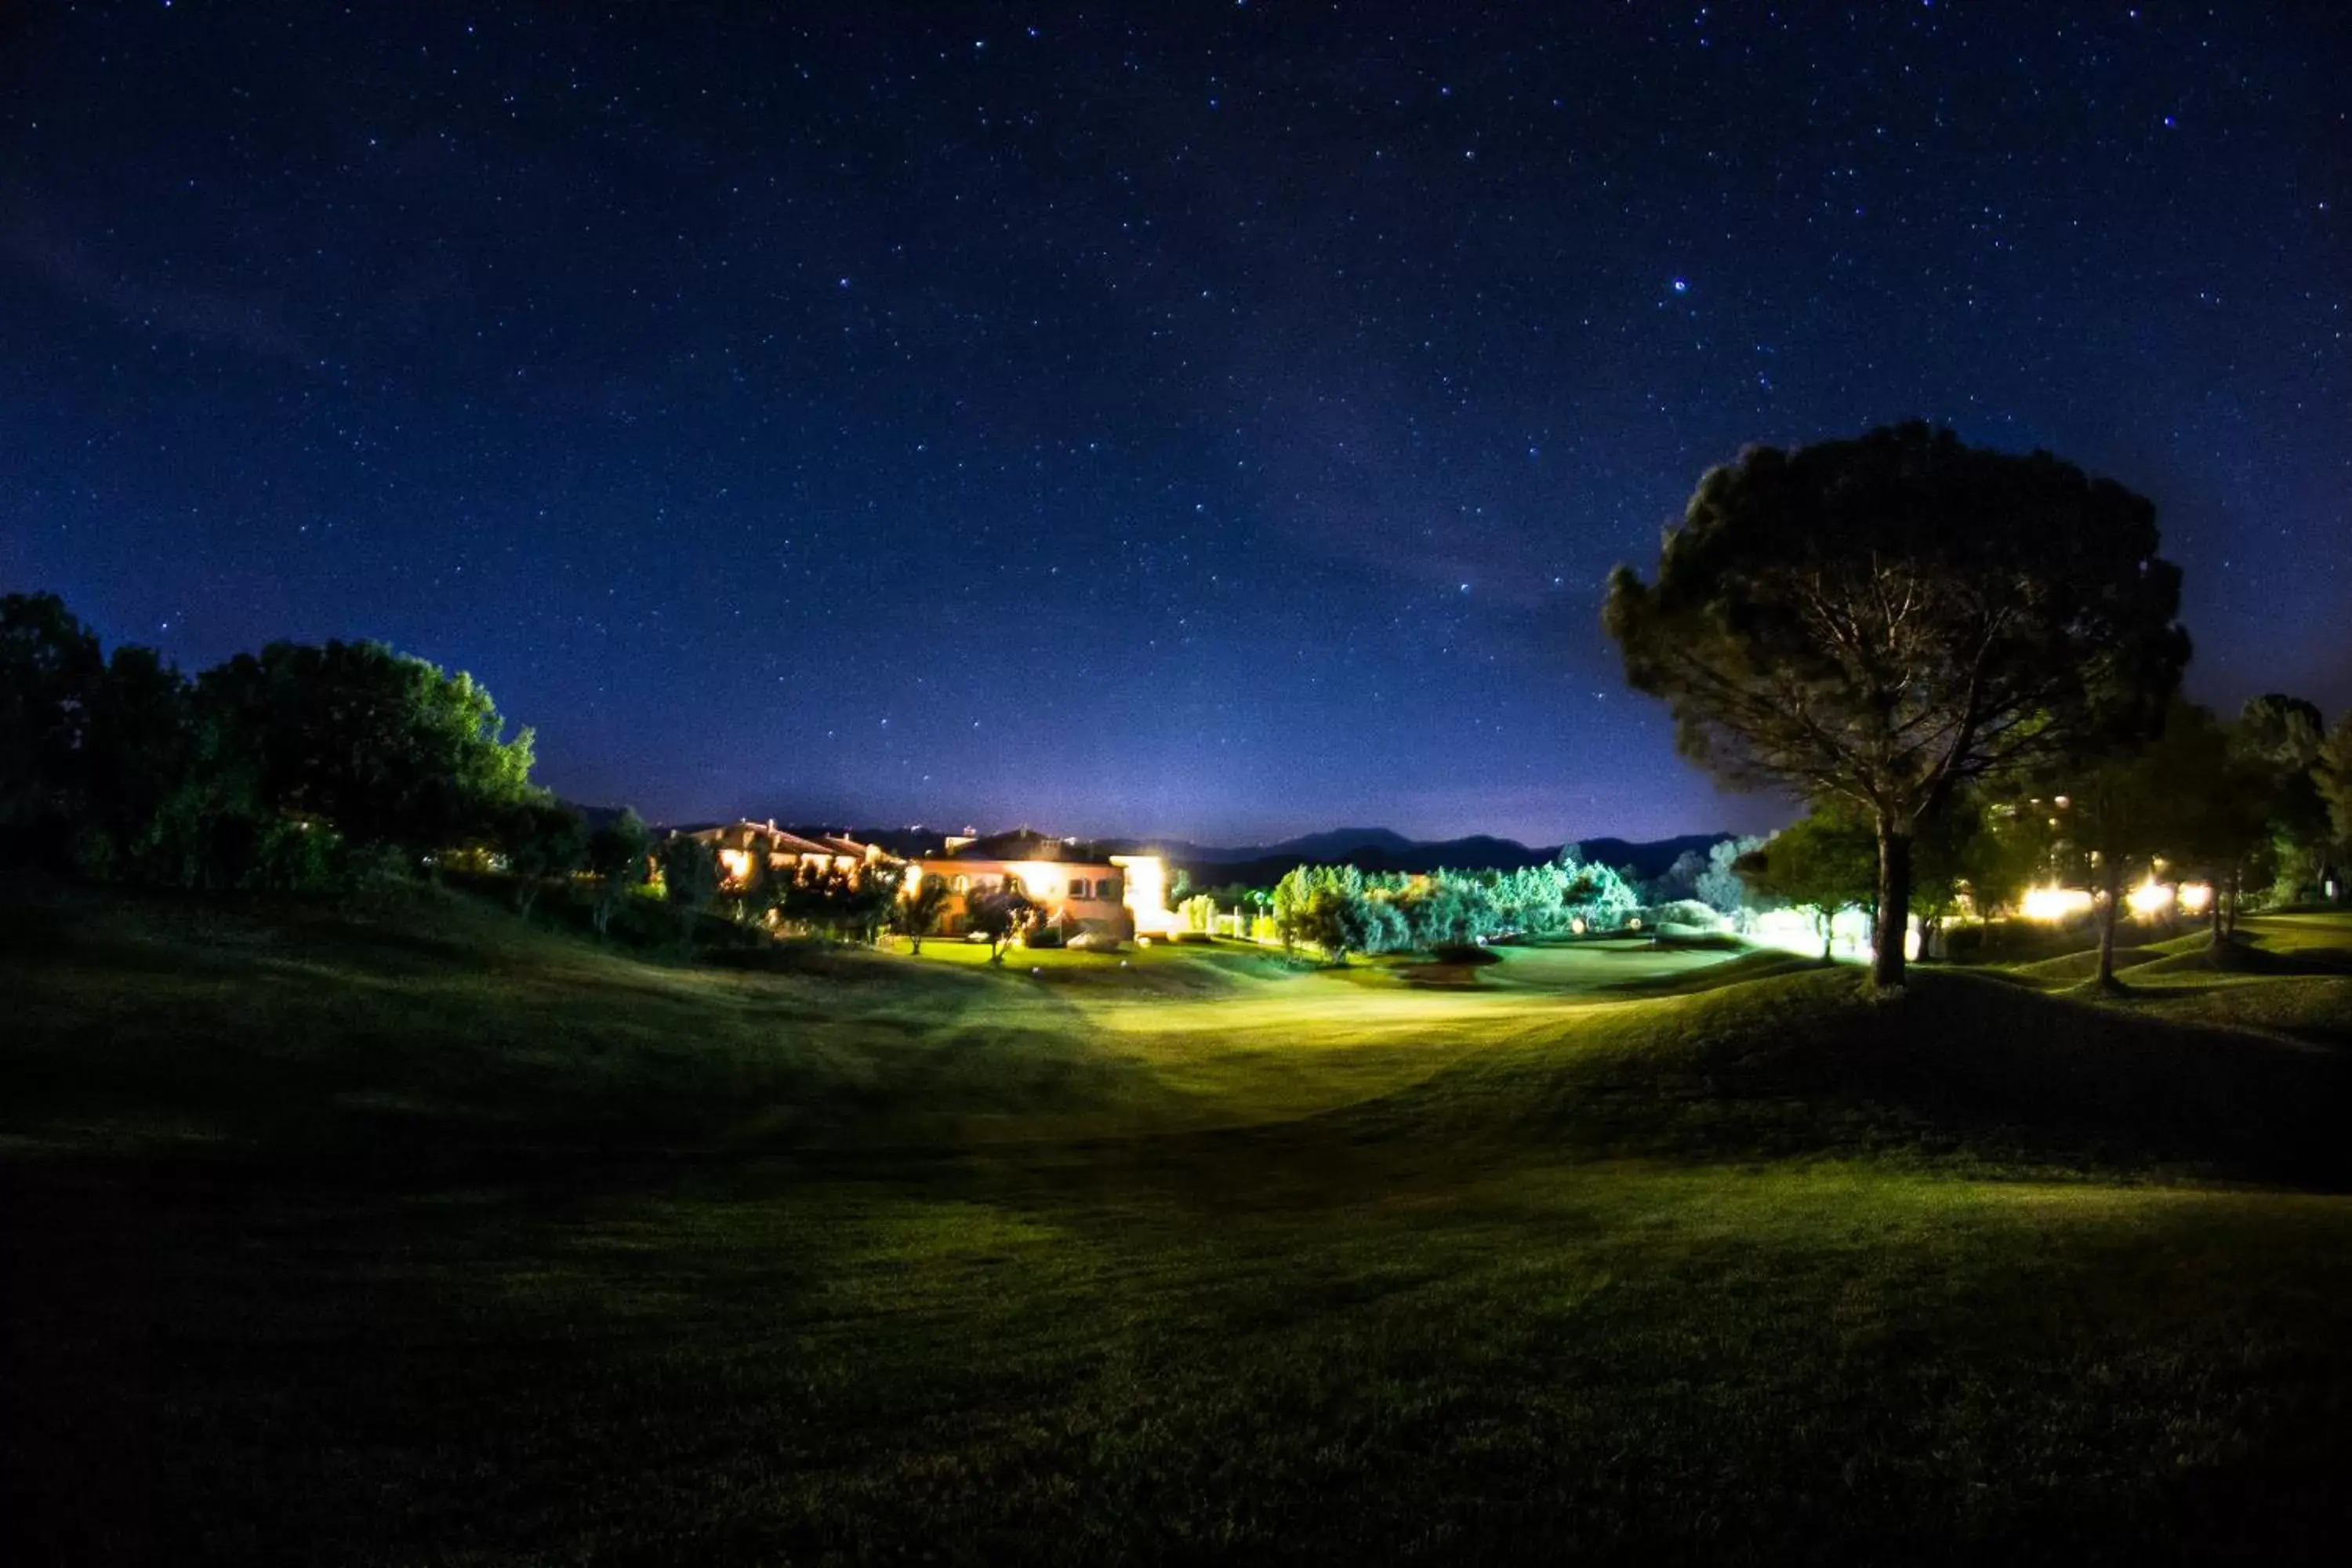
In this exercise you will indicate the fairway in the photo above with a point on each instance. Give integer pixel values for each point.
(406, 1232)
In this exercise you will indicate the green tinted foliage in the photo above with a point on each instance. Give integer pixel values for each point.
(1828, 861)
(386, 749)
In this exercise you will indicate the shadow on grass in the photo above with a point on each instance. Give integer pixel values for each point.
(1955, 1067)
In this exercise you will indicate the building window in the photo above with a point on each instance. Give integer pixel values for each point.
(1108, 889)
(1078, 888)
(963, 884)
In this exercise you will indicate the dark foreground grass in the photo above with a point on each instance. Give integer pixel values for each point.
(1759, 1273)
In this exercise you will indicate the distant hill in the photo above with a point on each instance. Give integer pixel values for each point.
(1381, 850)
(1649, 860)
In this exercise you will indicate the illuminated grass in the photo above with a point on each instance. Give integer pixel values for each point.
(419, 1238)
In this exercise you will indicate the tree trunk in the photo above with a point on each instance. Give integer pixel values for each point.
(2110, 879)
(1893, 906)
(1829, 939)
(2214, 905)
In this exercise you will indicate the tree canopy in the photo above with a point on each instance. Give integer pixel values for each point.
(386, 748)
(1887, 619)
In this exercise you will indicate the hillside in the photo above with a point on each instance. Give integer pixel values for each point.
(401, 1224)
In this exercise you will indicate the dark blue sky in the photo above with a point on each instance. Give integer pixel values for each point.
(1204, 418)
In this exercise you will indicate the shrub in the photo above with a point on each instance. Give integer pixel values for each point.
(1687, 913)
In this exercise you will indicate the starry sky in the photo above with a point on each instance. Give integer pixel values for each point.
(1200, 418)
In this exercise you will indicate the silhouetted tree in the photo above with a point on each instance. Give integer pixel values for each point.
(542, 840)
(689, 871)
(2281, 738)
(1885, 619)
(2333, 772)
(50, 667)
(620, 855)
(137, 751)
(916, 914)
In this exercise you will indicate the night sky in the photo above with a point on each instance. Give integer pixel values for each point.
(1200, 418)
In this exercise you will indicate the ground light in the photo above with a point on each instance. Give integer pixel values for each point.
(2056, 903)
(2150, 900)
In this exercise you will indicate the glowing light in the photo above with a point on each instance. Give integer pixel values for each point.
(1146, 895)
(2056, 903)
(2195, 896)
(1791, 930)
(2150, 900)
(737, 864)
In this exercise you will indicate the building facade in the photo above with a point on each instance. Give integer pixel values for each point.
(1078, 888)
(744, 848)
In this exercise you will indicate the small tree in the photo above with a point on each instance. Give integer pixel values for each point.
(2333, 772)
(620, 854)
(916, 915)
(2281, 738)
(690, 872)
(544, 840)
(1825, 862)
(1885, 619)
(999, 913)
(2185, 797)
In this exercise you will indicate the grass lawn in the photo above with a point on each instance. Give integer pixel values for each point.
(409, 1233)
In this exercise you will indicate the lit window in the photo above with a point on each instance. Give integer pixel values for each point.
(963, 884)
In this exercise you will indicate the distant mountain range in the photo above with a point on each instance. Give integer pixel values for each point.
(1367, 848)
(1382, 849)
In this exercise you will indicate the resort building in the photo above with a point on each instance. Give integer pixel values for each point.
(742, 847)
(1075, 886)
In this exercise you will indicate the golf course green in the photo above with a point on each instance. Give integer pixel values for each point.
(402, 1231)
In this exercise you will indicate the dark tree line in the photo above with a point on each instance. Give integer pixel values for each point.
(287, 769)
